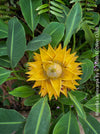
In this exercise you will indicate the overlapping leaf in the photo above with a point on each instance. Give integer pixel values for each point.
(10, 121)
(72, 22)
(39, 118)
(16, 43)
(67, 125)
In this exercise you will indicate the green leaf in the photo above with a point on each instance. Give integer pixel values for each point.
(55, 9)
(3, 51)
(30, 101)
(56, 30)
(90, 125)
(4, 74)
(88, 33)
(87, 68)
(72, 1)
(78, 106)
(54, 122)
(10, 121)
(88, 54)
(3, 30)
(72, 22)
(38, 42)
(56, 14)
(95, 18)
(56, 4)
(44, 20)
(3, 48)
(38, 120)
(4, 61)
(94, 103)
(42, 6)
(60, 1)
(67, 101)
(43, 11)
(28, 8)
(16, 41)
(67, 125)
(23, 91)
(64, 14)
(20, 131)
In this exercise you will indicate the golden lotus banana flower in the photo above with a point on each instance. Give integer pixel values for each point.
(55, 71)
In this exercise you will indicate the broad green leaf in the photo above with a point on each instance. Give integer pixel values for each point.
(67, 125)
(56, 31)
(16, 41)
(4, 74)
(3, 51)
(4, 61)
(23, 91)
(78, 106)
(30, 101)
(90, 125)
(72, 22)
(44, 20)
(87, 68)
(10, 121)
(38, 120)
(67, 101)
(26, 28)
(38, 42)
(3, 30)
(3, 48)
(88, 54)
(64, 14)
(54, 122)
(94, 103)
(28, 8)
(20, 131)
(88, 33)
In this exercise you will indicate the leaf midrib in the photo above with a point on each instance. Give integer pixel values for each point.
(91, 127)
(76, 103)
(39, 118)
(68, 35)
(12, 42)
(10, 123)
(69, 123)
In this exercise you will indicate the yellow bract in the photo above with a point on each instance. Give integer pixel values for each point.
(55, 71)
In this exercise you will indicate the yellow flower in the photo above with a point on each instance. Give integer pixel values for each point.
(55, 71)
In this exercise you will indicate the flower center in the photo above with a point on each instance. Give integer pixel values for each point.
(54, 70)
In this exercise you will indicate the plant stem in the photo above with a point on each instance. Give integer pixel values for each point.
(77, 49)
(33, 34)
(18, 76)
(12, 78)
